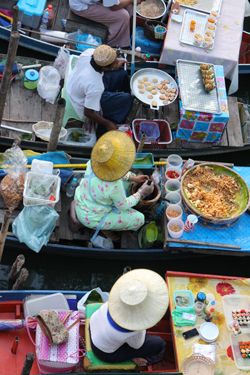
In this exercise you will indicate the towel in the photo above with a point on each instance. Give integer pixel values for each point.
(177, 317)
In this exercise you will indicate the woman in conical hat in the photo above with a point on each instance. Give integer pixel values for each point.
(137, 301)
(100, 199)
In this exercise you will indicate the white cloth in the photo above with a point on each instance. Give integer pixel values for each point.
(85, 85)
(107, 338)
(83, 4)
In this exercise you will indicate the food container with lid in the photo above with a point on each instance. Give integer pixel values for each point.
(30, 79)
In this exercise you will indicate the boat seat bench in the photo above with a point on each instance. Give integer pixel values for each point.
(96, 29)
(91, 362)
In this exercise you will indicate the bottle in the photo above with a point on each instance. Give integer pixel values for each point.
(71, 188)
(51, 15)
(209, 306)
(138, 49)
(64, 21)
(200, 297)
(148, 57)
(209, 315)
(209, 297)
(44, 22)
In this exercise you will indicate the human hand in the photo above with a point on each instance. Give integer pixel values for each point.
(110, 125)
(146, 189)
(140, 179)
(120, 63)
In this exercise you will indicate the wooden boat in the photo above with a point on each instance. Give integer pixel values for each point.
(11, 308)
(244, 56)
(26, 105)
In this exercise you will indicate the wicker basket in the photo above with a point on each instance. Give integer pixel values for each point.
(189, 365)
(213, 221)
(44, 125)
(149, 29)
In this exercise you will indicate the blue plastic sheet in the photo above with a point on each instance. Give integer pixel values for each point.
(237, 234)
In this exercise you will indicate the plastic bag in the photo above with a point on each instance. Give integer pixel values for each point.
(74, 35)
(61, 61)
(48, 86)
(34, 225)
(92, 40)
(42, 187)
(156, 176)
(12, 185)
(189, 164)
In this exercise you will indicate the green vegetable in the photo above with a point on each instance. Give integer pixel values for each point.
(173, 126)
(75, 137)
(94, 297)
(26, 136)
(171, 189)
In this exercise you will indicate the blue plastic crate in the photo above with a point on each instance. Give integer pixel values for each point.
(147, 46)
(30, 12)
(83, 38)
(144, 166)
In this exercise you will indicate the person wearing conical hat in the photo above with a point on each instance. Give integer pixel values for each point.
(137, 301)
(101, 202)
(99, 90)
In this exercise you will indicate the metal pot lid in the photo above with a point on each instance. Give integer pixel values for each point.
(31, 75)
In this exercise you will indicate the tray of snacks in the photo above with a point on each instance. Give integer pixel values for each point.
(236, 309)
(154, 87)
(241, 350)
(202, 5)
(198, 29)
(194, 93)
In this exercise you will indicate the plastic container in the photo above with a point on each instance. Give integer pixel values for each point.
(174, 161)
(51, 15)
(176, 208)
(209, 297)
(198, 39)
(187, 294)
(81, 304)
(143, 161)
(56, 301)
(164, 138)
(240, 362)
(103, 243)
(30, 201)
(175, 222)
(173, 185)
(214, 14)
(174, 169)
(147, 46)
(234, 301)
(174, 198)
(71, 187)
(208, 42)
(83, 38)
(198, 307)
(150, 129)
(84, 138)
(41, 166)
(30, 79)
(30, 12)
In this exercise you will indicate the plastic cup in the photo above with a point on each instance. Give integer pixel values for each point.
(208, 42)
(176, 208)
(214, 14)
(174, 198)
(198, 307)
(190, 223)
(212, 20)
(209, 33)
(175, 222)
(198, 39)
(175, 169)
(211, 26)
(174, 161)
(173, 185)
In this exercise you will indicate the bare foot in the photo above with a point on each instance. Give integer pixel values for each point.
(139, 361)
(110, 234)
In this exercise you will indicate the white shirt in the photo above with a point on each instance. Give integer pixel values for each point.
(83, 4)
(85, 86)
(107, 338)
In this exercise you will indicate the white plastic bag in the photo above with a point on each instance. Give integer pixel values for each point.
(61, 61)
(81, 304)
(48, 86)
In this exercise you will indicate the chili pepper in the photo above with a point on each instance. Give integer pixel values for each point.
(172, 174)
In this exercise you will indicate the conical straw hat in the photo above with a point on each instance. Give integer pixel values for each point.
(113, 155)
(138, 300)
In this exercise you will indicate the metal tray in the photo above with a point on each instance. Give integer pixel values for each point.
(194, 97)
(204, 5)
(152, 73)
(186, 35)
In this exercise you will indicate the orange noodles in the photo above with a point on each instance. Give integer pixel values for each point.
(213, 194)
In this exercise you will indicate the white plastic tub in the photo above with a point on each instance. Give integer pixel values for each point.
(56, 301)
(175, 222)
(174, 161)
(175, 207)
(240, 362)
(174, 198)
(175, 169)
(31, 201)
(234, 301)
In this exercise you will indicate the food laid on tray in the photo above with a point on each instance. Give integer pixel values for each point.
(207, 77)
(150, 8)
(245, 349)
(214, 193)
(167, 94)
(241, 316)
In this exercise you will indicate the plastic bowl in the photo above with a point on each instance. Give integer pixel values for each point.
(175, 222)
(174, 198)
(177, 170)
(173, 186)
(176, 208)
(186, 294)
(174, 161)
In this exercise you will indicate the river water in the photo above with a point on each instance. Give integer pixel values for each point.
(69, 273)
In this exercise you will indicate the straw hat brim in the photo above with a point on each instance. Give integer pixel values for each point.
(145, 314)
(120, 162)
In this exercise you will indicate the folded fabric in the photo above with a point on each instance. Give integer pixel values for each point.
(177, 317)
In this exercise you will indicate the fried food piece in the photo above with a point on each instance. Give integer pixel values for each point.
(153, 87)
(162, 91)
(209, 87)
(145, 79)
(154, 92)
(141, 91)
(174, 90)
(146, 84)
(166, 81)
(168, 90)
(162, 97)
(155, 80)
(140, 80)
(204, 66)
(159, 87)
(150, 96)
(165, 87)
(165, 101)
(140, 86)
(154, 103)
(149, 88)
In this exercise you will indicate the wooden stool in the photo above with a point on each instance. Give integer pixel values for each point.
(75, 22)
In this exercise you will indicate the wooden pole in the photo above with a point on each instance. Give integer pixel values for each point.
(10, 59)
(4, 230)
(57, 125)
(30, 357)
(16, 266)
(203, 243)
(141, 144)
(21, 279)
